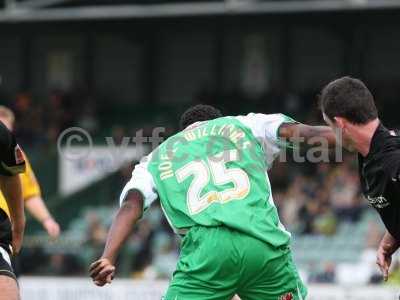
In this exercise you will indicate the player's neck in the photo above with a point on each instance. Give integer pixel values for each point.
(364, 135)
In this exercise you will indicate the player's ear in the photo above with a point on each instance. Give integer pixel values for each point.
(340, 122)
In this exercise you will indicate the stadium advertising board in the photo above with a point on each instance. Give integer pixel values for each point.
(45, 288)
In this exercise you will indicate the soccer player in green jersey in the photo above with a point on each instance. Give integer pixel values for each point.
(211, 179)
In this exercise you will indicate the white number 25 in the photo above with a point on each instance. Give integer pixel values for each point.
(213, 168)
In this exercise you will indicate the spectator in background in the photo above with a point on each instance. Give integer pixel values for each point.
(96, 234)
(345, 196)
(327, 275)
(368, 255)
(87, 119)
(27, 131)
(118, 133)
(314, 203)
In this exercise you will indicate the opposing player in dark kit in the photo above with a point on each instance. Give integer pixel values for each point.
(348, 106)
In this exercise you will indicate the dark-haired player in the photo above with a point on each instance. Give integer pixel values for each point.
(348, 106)
(11, 226)
(211, 179)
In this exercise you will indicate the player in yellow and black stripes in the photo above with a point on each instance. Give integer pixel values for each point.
(12, 222)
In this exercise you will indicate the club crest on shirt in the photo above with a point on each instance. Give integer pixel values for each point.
(378, 202)
(19, 156)
(288, 296)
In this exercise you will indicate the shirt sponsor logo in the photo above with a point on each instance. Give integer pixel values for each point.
(378, 202)
(288, 296)
(19, 157)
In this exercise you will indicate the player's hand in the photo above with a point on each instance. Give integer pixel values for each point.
(17, 236)
(52, 228)
(383, 260)
(102, 271)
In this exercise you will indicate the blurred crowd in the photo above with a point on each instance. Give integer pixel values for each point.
(39, 123)
(317, 197)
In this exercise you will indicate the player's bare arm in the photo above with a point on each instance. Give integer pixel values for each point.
(11, 188)
(387, 247)
(131, 210)
(312, 135)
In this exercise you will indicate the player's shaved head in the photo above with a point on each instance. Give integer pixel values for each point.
(199, 113)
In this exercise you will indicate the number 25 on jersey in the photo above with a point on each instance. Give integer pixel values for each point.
(214, 169)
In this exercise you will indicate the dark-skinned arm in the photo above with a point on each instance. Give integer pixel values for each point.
(102, 271)
(311, 135)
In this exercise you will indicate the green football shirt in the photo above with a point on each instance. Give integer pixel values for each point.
(214, 173)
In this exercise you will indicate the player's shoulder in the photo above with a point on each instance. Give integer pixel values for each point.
(257, 115)
(264, 122)
(390, 143)
(389, 155)
(264, 118)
